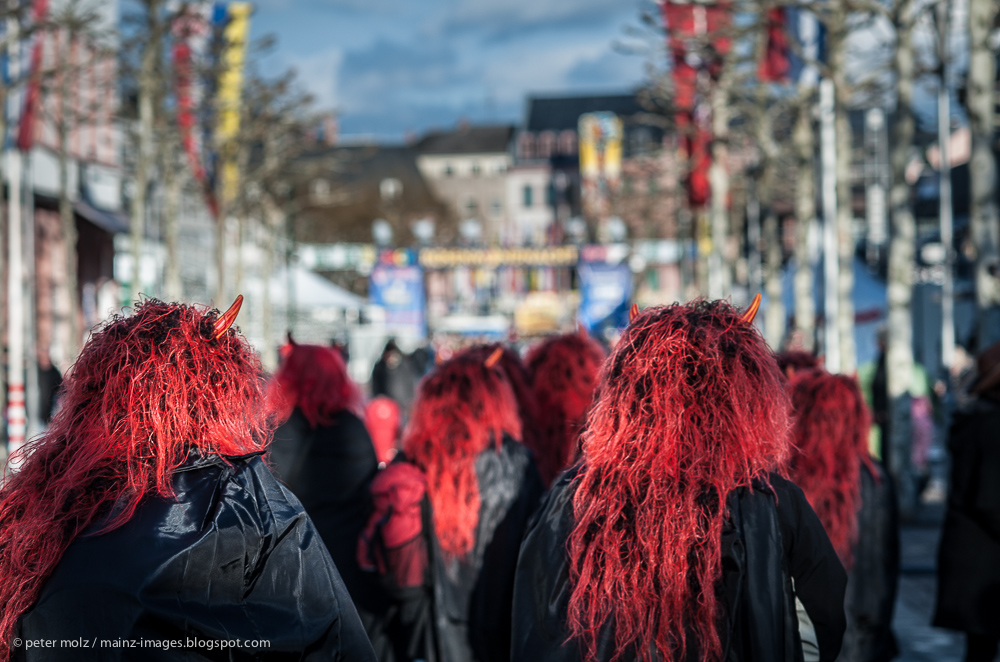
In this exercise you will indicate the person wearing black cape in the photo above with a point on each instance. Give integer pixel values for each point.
(672, 539)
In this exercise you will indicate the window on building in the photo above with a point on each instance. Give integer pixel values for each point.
(320, 189)
(472, 208)
(496, 208)
(550, 195)
(567, 143)
(528, 194)
(476, 169)
(546, 144)
(526, 146)
(449, 170)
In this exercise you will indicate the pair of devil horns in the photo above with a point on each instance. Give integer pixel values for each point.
(227, 318)
(748, 315)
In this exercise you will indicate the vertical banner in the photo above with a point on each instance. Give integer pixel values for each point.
(605, 291)
(235, 35)
(400, 292)
(190, 31)
(600, 160)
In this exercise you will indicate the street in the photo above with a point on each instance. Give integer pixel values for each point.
(918, 641)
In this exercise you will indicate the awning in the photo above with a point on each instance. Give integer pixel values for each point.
(106, 220)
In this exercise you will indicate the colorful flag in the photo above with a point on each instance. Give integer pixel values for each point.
(235, 35)
(775, 66)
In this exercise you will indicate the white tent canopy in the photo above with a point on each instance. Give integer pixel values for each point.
(312, 291)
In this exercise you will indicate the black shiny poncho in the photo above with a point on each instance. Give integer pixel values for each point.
(771, 537)
(232, 558)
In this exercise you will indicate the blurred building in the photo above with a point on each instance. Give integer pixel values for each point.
(467, 169)
(88, 79)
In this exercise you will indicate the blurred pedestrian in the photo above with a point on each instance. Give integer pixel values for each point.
(509, 363)
(449, 516)
(564, 371)
(968, 597)
(145, 513)
(395, 376)
(672, 538)
(853, 500)
(322, 450)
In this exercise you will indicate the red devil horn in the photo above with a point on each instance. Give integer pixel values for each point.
(633, 312)
(227, 318)
(494, 357)
(751, 312)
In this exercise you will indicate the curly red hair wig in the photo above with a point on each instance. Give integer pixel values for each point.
(144, 392)
(564, 371)
(460, 410)
(831, 444)
(690, 406)
(514, 370)
(796, 360)
(314, 379)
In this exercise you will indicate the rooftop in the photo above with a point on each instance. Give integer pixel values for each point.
(467, 140)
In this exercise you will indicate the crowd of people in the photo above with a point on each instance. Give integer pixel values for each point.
(688, 496)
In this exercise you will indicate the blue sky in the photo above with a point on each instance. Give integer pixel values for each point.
(394, 66)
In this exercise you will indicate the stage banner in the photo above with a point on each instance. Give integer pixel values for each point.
(605, 292)
(400, 292)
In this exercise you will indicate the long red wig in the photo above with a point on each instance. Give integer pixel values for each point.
(831, 444)
(796, 360)
(314, 379)
(516, 374)
(460, 409)
(690, 406)
(145, 390)
(564, 371)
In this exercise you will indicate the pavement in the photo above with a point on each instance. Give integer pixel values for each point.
(918, 641)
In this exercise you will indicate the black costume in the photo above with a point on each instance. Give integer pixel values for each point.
(968, 597)
(764, 547)
(329, 468)
(874, 578)
(463, 612)
(220, 561)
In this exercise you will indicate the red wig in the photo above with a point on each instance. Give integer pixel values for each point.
(314, 379)
(460, 410)
(144, 392)
(831, 443)
(564, 372)
(793, 361)
(514, 370)
(690, 406)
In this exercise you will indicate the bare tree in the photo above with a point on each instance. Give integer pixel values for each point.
(981, 102)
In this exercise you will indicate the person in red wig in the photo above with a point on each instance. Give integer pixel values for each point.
(564, 371)
(855, 502)
(144, 516)
(456, 501)
(513, 369)
(673, 539)
(322, 450)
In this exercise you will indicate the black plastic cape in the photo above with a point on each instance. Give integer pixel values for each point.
(230, 569)
(763, 548)
(464, 613)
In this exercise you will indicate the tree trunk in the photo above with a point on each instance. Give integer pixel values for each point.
(172, 180)
(67, 219)
(899, 340)
(719, 277)
(845, 241)
(804, 139)
(983, 169)
(274, 221)
(144, 158)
